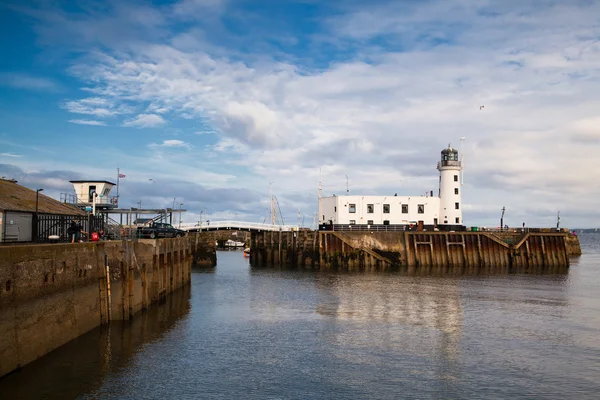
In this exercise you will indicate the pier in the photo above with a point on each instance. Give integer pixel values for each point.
(417, 252)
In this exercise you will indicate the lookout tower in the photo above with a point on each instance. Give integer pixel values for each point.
(450, 190)
(92, 194)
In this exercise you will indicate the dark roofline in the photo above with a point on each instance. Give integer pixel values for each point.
(88, 181)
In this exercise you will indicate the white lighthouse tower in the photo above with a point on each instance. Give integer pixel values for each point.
(450, 191)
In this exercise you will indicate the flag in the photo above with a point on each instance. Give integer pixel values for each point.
(121, 176)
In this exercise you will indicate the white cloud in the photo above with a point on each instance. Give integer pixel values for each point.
(146, 121)
(10, 155)
(25, 81)
(172, 143)
(87, 122)
(98, 106)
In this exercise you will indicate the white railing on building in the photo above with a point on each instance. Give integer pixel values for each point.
(236, 225)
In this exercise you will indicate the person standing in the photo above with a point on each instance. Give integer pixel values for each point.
(75, 231)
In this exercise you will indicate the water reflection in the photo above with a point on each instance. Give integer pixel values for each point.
(423, 317)
(82, 365)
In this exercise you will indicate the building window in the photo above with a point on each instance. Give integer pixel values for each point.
(370, 222)
(370, 208)
(352, 222)
(421, 209)
(455, 190)
(404, 208)
(386, 222)
(456, 206)
(457, 220)
(334, 208)
(323, 218)
(455, 178)
(386, 208)
(435, 222)
(351, 208)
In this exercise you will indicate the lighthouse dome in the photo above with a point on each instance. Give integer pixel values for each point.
(449, 154)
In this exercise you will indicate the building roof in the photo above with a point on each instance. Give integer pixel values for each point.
(91, 181)
(14, 197)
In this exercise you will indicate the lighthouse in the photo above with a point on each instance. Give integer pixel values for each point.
(450, 214)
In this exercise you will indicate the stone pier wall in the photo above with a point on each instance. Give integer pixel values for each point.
(416, 252)
(53, 293)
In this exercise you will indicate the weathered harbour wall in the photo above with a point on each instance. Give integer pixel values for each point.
(417, 252)
(53, 293)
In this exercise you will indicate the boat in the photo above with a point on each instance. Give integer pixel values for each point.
(233, 243)
(247, 252)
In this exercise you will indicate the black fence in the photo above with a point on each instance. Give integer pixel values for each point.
(53, 228)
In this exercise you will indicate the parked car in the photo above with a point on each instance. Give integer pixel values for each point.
(159, 230)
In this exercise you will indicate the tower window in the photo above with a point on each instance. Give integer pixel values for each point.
(457, 220)
(421, 209)
(455, 178)
(370, 208)
(334, 208)
(351, 208)
(455, 190)
(456, 206)
(386, 208)
(404, 208)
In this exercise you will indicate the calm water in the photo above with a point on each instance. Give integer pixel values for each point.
(247, 333)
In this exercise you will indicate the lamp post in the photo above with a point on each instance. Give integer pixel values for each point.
(35, 221)
(180, 205)
(502, 219)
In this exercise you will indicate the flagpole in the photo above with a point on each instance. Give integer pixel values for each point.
(118, 176)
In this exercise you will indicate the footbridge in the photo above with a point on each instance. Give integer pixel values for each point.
(236, 226)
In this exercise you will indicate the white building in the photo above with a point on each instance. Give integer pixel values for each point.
(89, 192)
(400, 212)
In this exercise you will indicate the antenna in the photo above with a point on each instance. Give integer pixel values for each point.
(320, 186)
(462, 160)
(347, 185)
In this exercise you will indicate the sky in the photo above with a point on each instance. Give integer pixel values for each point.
(217, 103)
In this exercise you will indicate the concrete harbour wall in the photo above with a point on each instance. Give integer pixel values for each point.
(51, 294)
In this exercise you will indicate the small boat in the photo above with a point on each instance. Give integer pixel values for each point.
(247, 252)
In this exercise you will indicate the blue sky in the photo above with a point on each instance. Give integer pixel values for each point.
(215, 99)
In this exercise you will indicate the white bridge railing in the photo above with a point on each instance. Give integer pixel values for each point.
(236, 225)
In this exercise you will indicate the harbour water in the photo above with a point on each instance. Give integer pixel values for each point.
(241, 332)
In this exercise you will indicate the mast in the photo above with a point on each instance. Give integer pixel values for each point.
(118, 176)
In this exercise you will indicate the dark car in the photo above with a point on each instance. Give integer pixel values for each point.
(160, 230)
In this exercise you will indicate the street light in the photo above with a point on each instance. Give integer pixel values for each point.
(180, 205)
(37, 198)
(35, 223)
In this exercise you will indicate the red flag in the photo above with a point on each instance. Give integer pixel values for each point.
(121, 176)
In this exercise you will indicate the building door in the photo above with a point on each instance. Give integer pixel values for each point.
(91, 193)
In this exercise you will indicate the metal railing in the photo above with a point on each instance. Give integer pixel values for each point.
(363, 228)
(236, 225)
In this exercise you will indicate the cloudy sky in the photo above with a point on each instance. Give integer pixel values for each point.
(217, 100)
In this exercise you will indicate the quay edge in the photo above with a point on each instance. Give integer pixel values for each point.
(53, 293)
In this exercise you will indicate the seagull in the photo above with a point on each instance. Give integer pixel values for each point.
(480, 107)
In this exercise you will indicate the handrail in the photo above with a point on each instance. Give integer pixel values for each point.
(237, 225)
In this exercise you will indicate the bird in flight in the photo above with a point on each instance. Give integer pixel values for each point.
(480, 108)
